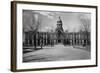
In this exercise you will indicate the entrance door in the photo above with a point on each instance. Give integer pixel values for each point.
(59, 41)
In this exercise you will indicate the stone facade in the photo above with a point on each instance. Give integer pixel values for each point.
(50, 39)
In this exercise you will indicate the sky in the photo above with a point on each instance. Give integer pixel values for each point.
(47, 20)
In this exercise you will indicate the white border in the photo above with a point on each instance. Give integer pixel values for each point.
(21, 65)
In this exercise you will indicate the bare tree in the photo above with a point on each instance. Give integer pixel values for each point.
(85, 26)
(85, 23)
(34, 28)
(35, 25)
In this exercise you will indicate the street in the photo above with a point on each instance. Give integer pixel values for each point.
(58, 52)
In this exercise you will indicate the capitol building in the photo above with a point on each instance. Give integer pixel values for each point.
(59, 36)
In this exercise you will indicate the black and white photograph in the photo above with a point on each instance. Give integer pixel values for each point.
(53, 36)
(56, 36)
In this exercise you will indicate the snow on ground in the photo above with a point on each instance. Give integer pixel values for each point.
(55, 53)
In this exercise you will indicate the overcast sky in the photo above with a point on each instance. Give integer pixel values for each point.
(48, 20)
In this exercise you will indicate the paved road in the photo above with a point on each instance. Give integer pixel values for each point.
(58, 52)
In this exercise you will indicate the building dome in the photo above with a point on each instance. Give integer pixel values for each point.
(59, 21)
(59, 31)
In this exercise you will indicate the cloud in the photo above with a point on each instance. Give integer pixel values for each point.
(48, 20)
(45, 13)
(85, 16)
